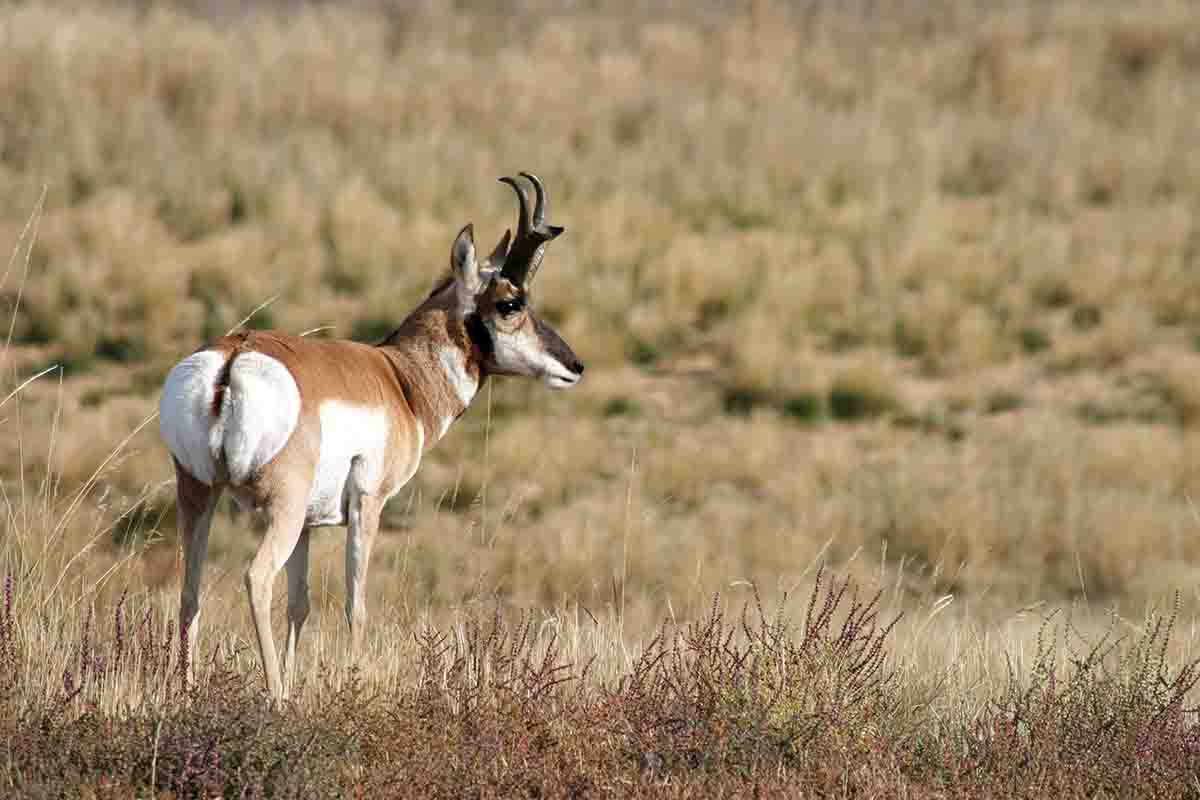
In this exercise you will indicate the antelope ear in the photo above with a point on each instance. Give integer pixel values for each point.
(467, 280)
(496, 260)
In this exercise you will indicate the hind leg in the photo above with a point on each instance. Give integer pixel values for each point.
(285, 528)
(297, 609)
(195, 502)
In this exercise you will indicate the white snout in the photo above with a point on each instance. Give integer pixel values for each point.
(558, 376)
(522, 355)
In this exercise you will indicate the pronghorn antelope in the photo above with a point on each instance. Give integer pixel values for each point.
(312, 432)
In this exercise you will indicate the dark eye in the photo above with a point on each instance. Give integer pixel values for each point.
(510, 307)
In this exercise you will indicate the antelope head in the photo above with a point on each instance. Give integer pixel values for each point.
(494, 297)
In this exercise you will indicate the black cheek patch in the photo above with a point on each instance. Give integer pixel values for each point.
(480, 336)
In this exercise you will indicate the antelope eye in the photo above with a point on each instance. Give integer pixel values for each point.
(510, 307)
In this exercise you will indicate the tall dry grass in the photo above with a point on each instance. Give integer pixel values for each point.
(911, 292)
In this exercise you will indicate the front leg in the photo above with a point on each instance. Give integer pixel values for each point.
(362, 523)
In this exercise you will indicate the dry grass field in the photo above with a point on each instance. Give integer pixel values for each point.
(907, 289)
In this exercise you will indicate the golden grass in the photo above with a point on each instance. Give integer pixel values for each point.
(915, 294)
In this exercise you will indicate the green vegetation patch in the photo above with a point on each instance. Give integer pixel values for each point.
(622, 407)
(1034, 339)
(345, 280)
(804, 406)
(909, 341)
(1052, 291)
(372, 329)
(861, 394)
(1002, 400)
(741, 400)
(122, 349)
(643, 353)
(1086, 317)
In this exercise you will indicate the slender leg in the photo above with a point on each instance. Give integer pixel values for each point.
(284, 528)
(361, 526)
(195, 502)
(297, 612)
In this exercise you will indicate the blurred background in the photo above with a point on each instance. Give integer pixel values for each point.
(911, 288)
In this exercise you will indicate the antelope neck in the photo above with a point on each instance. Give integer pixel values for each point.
(441, 374)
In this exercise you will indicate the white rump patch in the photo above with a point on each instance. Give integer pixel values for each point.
(185, 416)
(259, 413)
(347, 431)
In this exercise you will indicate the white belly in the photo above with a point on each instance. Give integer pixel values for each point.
(346, 431)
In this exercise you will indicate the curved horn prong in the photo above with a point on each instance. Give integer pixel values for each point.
(500, 252)
(523, 224)
(539, 208)
(533, 233)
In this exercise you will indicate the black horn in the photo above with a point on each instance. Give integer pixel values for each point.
(539, 206)
(525, 257)
(523, 225)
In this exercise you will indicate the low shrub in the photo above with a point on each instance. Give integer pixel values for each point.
(749, 704)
